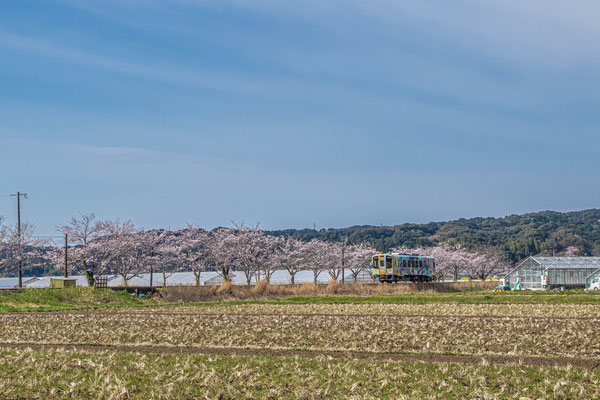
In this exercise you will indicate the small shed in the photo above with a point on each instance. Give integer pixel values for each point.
(62, 282)
(540, 273)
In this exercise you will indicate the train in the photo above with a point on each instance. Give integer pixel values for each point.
(401, 267)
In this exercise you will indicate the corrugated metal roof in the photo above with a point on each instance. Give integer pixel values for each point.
(178, 278)
(568, 262)
(10, 282)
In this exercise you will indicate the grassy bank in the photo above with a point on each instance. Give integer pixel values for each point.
(54, 299)
(82, 297)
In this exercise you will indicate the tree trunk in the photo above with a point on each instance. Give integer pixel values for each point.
(89, 275)
(225, 272)
(197, 277)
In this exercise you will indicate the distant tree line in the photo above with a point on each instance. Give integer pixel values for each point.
(519, 236)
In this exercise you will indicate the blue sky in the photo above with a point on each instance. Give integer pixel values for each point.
(292, 113)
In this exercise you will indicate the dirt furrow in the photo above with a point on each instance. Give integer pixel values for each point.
(307, 315)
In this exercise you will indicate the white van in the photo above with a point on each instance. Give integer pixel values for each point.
(595, 285)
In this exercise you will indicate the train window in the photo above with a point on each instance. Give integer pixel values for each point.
(388, 261)
(381, 262)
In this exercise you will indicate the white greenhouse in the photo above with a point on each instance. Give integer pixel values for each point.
(541, 273)
(592, 282)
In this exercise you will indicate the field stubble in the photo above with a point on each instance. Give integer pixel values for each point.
(448, 328)
(304, 351)
(113, 375)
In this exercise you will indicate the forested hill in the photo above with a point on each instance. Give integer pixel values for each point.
(519, 235)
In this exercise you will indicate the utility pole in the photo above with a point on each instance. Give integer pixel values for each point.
(344, 242)
(151, 268)
(66, 249)
(19, 194)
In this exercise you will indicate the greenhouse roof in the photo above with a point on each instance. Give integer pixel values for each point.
(568, 262)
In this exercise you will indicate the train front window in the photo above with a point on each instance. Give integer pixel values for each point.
(374, 261)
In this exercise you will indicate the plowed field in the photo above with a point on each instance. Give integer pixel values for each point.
(462, 348)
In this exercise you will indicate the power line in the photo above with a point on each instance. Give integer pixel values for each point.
(47, 235)
(38, 214)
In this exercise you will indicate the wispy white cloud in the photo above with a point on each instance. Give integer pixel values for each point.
(173, 74)
(117, 151)
(549, 33)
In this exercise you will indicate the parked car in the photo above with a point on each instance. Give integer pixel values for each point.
(595, 285)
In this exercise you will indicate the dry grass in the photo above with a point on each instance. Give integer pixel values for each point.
(264, 290)
(225, 288)
(333, 287)
(260, 288)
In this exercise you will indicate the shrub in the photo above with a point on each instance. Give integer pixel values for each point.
(225, 287)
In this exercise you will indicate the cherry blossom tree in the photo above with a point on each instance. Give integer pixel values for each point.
(192, 247)
(484, 262)
(291, 254)
(158, 253)
(15, 247)
(359, 258)
(267, 260)
(319, 258)
(8, 248)
(251, 251)
(56, 256)
(127, 249)
(571, 251)
(222, 250)
(330, 258)
(80, 232)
